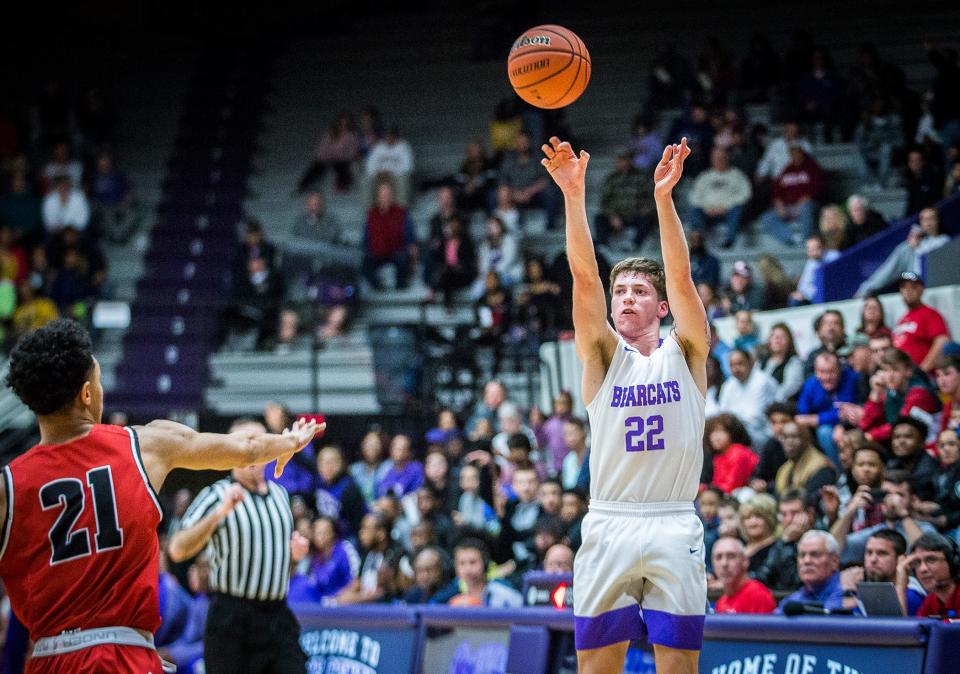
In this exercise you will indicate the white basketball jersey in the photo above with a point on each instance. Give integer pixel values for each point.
(647, 423)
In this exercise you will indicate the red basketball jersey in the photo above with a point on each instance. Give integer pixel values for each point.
(79, 548)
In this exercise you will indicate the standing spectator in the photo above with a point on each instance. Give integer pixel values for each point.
(808, 289)
(781, 362)
(370, 470)
(500, 253)
(743, 292)
(524, 175)
(795, 195)
(924, 187)
(248, 623)
(388, 238)
(832, 334)
(864, 221)
(406, 474)
(873, 322)
(454, 265)
(776, 156)
(818, 408)
(741, 594)
(332, 566)
(336, 150)
(718, 197)
(746, 394)
(337, 495)
(921, 332)
(65, 206)
(906, 257)
(626, 205)
(391, 157)
(704, 266)
(733, 460)
(818, 568)
(806, 467)
(797, 516)
(896, 390)
(936, 561)
(300, 475)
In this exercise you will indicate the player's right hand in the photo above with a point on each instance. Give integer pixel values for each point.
(566, 168)
(303, 431)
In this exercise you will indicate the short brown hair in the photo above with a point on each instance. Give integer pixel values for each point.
(652, 269)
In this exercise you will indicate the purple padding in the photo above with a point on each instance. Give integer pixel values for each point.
(674, 631)
(612, 627)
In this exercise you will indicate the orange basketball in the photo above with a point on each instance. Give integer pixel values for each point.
(549, 66)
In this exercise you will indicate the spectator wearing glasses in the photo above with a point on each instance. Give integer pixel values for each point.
(936, 562)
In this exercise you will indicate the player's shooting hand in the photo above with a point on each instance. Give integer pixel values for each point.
(566, 168)
(232, 495)
(667, 173)
(304, 431)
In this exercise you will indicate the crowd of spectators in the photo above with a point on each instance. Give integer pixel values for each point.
(61, 196)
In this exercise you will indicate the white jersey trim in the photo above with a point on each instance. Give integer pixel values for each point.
(8, 523)
(137, 459)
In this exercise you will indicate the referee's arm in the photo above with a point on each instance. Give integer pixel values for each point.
(189, 541)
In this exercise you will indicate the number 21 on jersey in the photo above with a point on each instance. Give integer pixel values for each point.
(644, 433)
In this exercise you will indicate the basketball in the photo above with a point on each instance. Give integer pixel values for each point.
(549, 66)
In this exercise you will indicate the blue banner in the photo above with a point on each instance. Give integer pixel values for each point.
(751, 657)
(359, 651)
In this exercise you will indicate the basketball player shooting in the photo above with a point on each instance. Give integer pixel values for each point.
(640, 571)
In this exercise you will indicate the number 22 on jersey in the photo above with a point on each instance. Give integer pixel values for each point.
(644, 433)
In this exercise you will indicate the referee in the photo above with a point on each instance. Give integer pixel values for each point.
(246, 526)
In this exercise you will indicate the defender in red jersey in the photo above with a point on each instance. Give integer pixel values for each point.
(78, 513)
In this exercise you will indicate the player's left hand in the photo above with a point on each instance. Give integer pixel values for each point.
(304, 431)
(668, 171)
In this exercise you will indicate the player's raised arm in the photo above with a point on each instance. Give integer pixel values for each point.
(689, 316)
(594, 337)
(166, 445)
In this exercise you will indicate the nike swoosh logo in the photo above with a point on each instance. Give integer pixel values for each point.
(693, 551)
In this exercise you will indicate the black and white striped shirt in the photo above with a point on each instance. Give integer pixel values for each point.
(249, 552)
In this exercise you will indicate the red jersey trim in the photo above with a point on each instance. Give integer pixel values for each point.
(137, 459)
(8, 521)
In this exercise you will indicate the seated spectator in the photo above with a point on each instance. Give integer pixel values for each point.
(406, 474)
(429, 510)
(520, 517)
(715, 380)
(505, 126)
(896, 390)
(646, 145)
(523, 174)
(20, 210)
(797, 516)
(433, 246)
(873, 322)
(470, 587)
(33, 310)
(708, 504)
(71, 288)
(388, 238)
(779, 361)
(437, 474)
(376, 549)
(506, 209)
(746, 394)
(747, 336)
(331, 567)
(758, 524)
(948, 389)
(317, 238)
(877, 135)
(694, 124)
(336, 150)
(922, 180)
(741, 594)
(65, 206)
(537, 302)
(111, 198)
(549, 494)
(369, 130)
(494, 395)
(454, 266)
(186, 651)
(819, 93)
(62, 164)
(808, 289)
(391, 157)
(885, 549)
(743, 292)
(626, 214)
(175, 604)
(475, 178)
(729, 448)
(510, 421)
(500, 253)
(472, 509)
(818, 568)
(712, 302)
(864, 508)
(922, 239)
(806, 467)
(922, 332)
(337, 495)
(575, 437)
(704, 266)
(432, 571)
(776, 156)
(834, 231)
(817, 407)
(573, 508)
(831, 333)
(771, 451)
(776, 284)
(795, 195)
(370, 470)
(936, 562)
(864, 221)
(898, 515)
(559, 559)
(909, 454)
(299, 476)
(718, 197)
